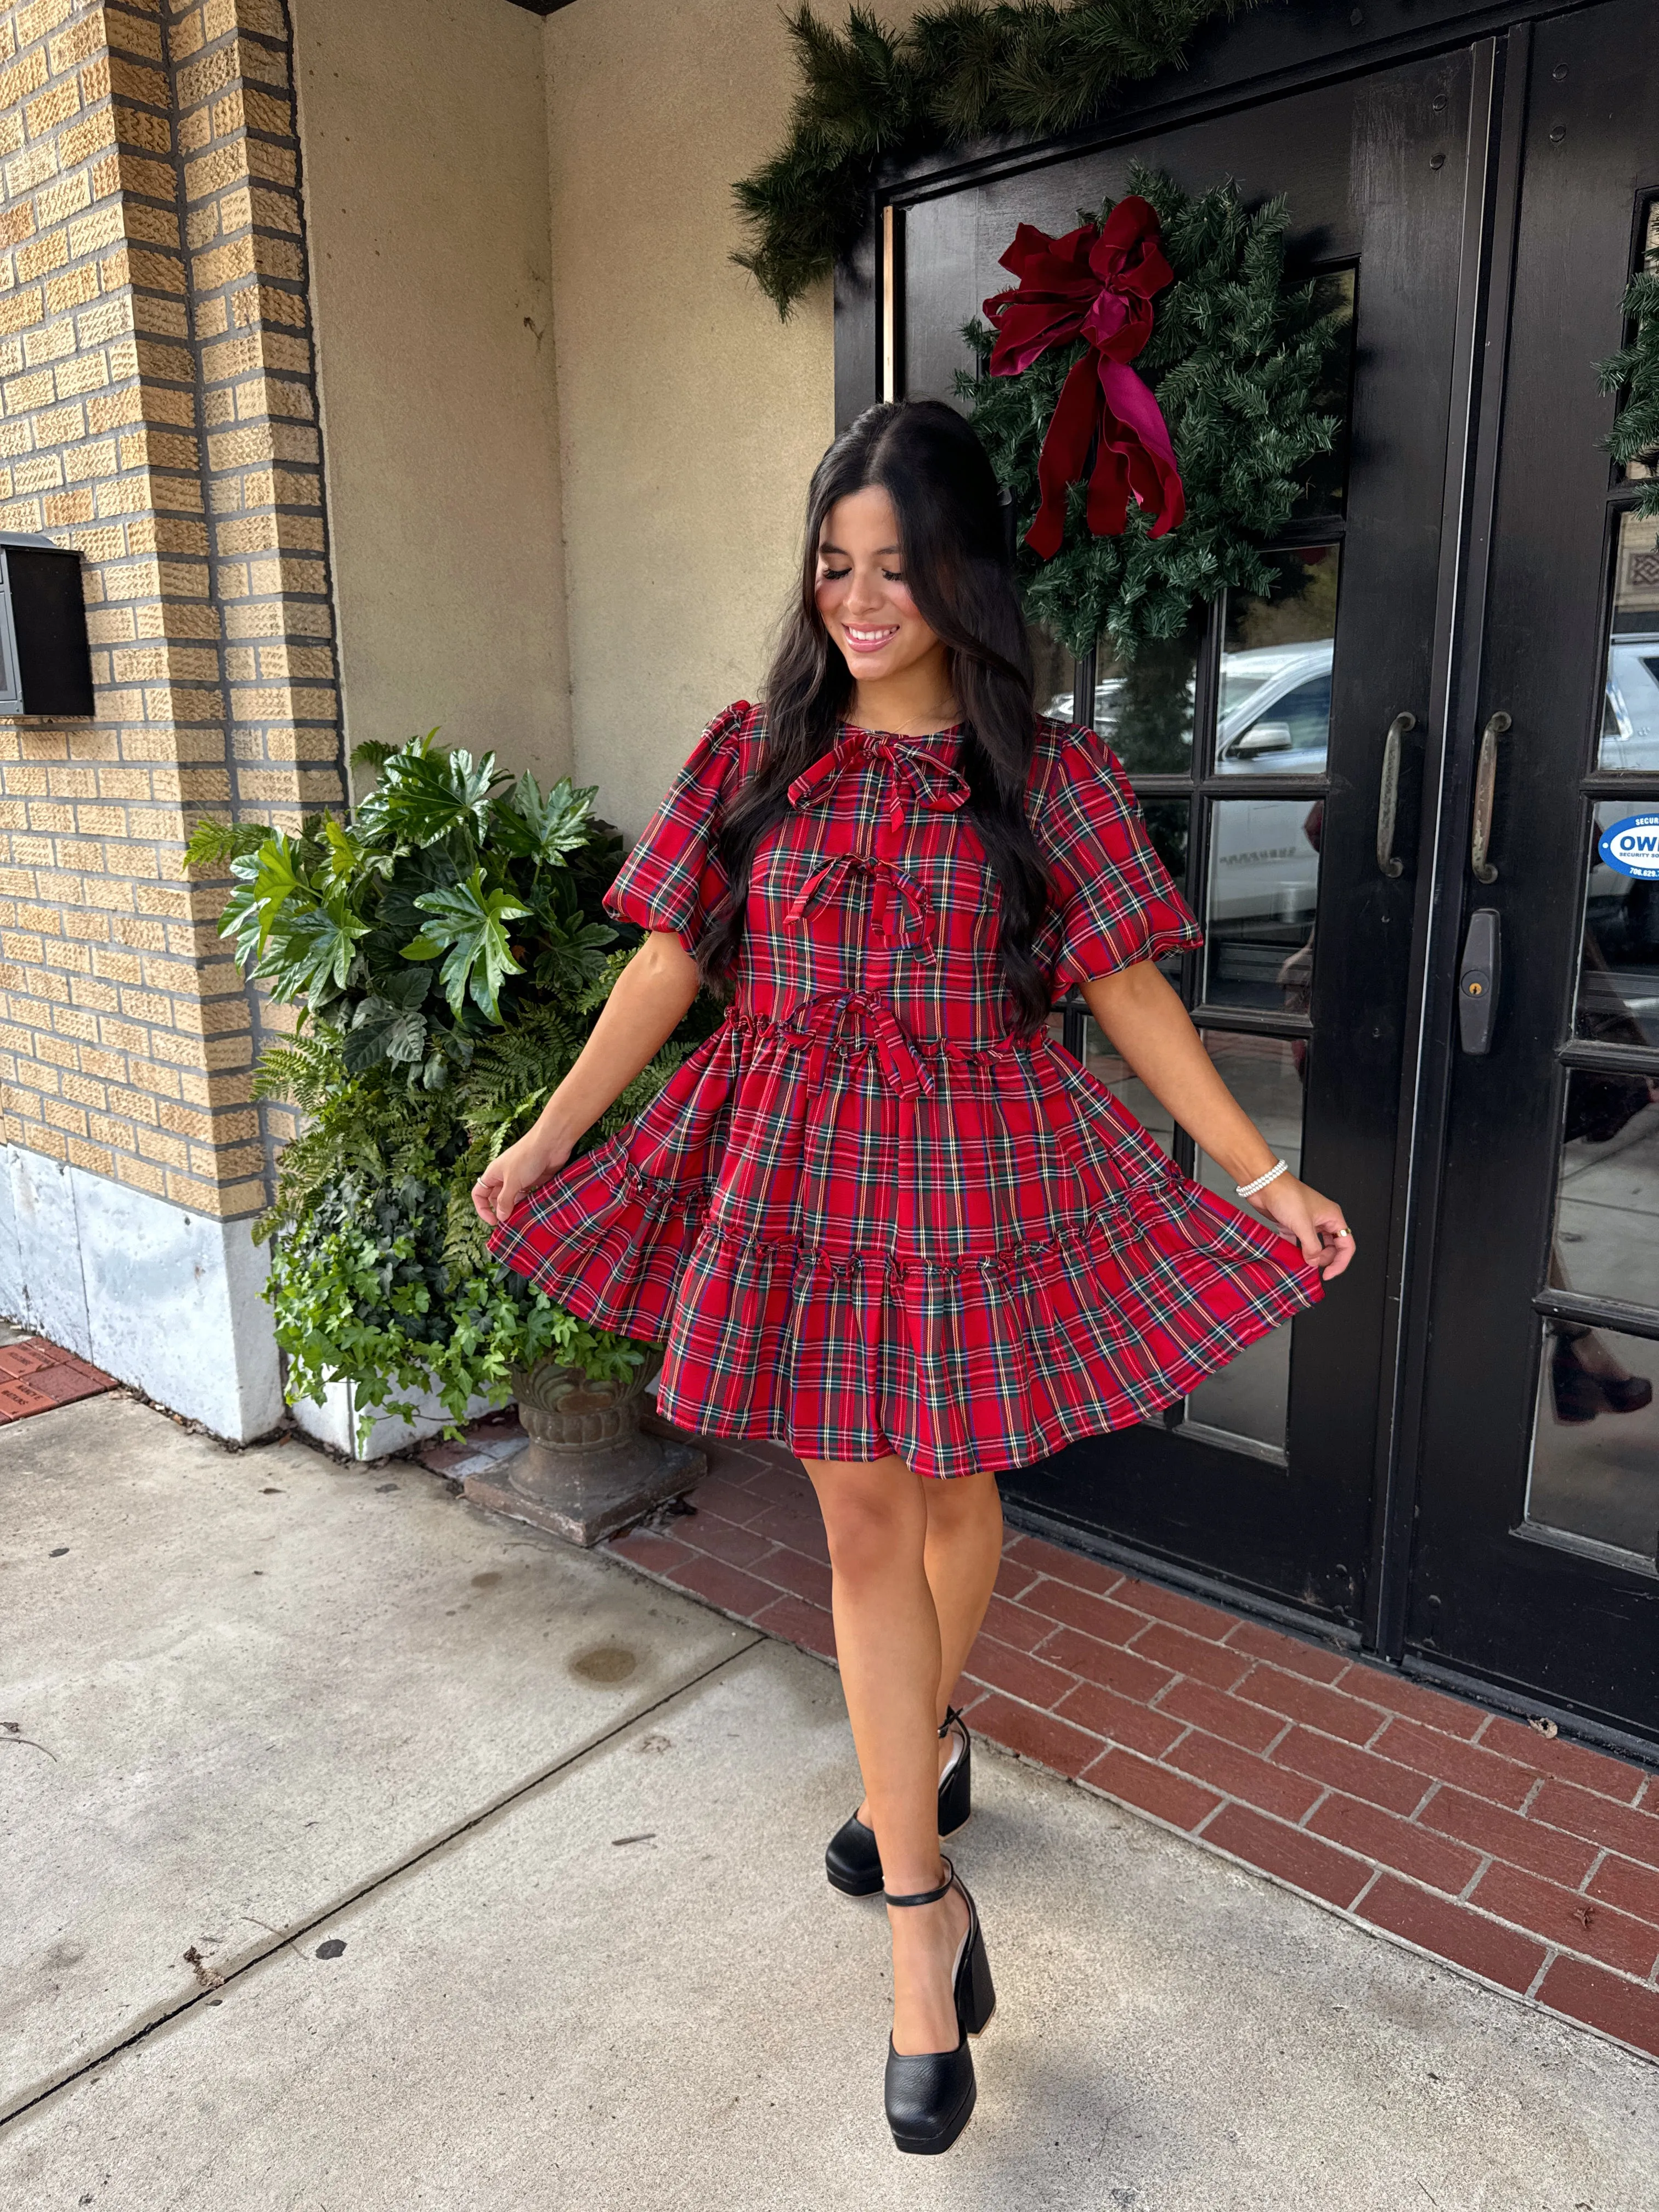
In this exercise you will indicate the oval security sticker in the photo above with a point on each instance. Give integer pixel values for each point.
(1632, 846)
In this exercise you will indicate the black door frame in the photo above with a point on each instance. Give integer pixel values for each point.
(1258, 57)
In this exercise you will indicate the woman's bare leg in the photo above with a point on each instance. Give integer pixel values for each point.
(960, 1558)
(888, 1642)
(965, 1550)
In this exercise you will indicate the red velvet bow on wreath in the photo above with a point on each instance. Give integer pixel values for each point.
(1096, 283)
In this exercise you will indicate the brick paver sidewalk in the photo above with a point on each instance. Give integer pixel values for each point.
(35, 1375)
(1525, 1858)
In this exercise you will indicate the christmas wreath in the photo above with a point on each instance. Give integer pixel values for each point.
(1141, 492)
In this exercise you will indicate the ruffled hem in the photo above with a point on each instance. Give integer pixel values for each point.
(987, 1361)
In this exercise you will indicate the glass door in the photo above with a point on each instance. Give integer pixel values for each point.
(1537, 1506)
(1278, 749)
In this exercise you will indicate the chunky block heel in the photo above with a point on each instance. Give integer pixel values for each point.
(930, 2094)
(982, 1996)
(852, 1858)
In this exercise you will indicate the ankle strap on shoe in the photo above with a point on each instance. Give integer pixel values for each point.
(952, 1719)
(928, 1896)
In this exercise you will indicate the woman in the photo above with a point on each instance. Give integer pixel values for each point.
(878, 1215)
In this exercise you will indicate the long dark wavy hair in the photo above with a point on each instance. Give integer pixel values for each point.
(928, 461)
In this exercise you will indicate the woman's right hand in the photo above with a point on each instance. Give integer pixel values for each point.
(522, 1168)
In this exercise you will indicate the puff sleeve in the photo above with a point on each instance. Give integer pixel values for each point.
(672, 879)
(1117, 903)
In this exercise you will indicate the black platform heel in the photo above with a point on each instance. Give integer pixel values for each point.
(852, 1861)
(931, 2093)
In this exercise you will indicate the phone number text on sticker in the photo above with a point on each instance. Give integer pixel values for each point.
(1632, 846)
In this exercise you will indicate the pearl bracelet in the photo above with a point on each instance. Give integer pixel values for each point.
(1249, 1189)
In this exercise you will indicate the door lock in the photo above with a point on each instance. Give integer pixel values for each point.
(1479, 978)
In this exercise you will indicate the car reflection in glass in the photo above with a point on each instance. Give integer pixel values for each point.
(1274, 719)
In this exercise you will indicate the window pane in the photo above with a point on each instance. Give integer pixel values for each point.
(1630, 705)
(1263, 887)
(1596, 1441)
(1250, 1395)
(1607, 1216)
(1327, 473)
(1144, 707)
(1618, 954)
(1054, 674)
(1275, 712)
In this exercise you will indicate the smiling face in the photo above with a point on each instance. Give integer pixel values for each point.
(864, 602)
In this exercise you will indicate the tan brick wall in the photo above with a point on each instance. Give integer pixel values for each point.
(159, 413)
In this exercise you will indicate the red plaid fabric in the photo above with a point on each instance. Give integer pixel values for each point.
(869, 1215)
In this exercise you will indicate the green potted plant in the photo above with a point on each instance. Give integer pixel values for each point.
(447, 954)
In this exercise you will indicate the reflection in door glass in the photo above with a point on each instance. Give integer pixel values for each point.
(1636, 471)
(1606, 1214)
(1328, 474)
(1249, 1396)
(1263, 887)
(1618, 1001)
(1630, 702)
(1275, 712)
(1595, 1442)
(1144, 707)
(1166, 826)
(1053, 673)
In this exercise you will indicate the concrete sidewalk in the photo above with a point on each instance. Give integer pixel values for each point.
(567, 1830)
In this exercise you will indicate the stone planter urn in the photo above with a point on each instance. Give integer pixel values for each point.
(589, 1467)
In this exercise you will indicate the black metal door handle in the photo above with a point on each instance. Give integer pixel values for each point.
(1485, 785)
(1479, 978)
(1388, 797)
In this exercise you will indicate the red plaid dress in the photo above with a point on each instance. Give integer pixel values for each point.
(868, 1215)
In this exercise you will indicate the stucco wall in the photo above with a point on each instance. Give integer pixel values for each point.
(690, 417)
(423, 133)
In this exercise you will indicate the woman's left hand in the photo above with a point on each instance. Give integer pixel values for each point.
(1317, 1223)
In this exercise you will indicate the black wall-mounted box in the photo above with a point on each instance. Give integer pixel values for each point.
(45, 667)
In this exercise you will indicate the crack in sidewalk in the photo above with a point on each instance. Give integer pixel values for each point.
(289, 1937)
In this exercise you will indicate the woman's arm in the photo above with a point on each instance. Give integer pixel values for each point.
(1153, 1031)
(645, 1007)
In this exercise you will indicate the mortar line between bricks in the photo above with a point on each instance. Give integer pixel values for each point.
(1326, 1791)
(379, 1881)
(1488, 1860)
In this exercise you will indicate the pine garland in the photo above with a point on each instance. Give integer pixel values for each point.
(1239, 362)
(1634, 372)
(958, 72)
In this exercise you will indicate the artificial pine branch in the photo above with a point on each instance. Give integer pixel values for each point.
(961, 71)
